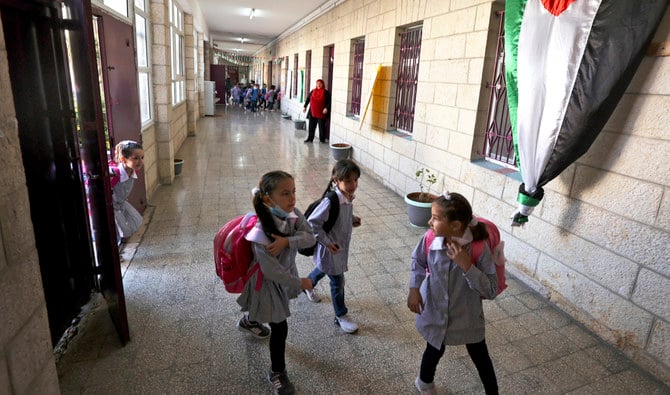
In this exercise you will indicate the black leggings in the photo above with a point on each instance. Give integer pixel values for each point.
(278, 345)
(479, 354)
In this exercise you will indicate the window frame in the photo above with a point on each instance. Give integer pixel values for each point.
(407, 59)
(178, 73)
(144, 74)
(294, 88)
(498, 145)
(356, 66)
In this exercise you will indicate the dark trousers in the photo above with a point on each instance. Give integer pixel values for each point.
(278, 345)
(312, 128)
(479, 354)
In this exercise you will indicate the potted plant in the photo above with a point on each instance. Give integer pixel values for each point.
(419, 203)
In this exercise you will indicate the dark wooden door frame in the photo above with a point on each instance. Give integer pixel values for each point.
(60, 161)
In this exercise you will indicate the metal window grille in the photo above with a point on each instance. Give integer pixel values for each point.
(308, 71)
(357, 78)
(408, 77)
(498, 141)
(294, 91)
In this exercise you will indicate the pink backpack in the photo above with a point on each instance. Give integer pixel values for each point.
(114, 172)
(496, 246)
(233, 256)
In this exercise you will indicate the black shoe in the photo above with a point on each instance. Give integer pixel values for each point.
(308, 141)
(322, 141)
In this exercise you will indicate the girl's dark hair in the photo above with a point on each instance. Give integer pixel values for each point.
(455, 207)
(266, 185)
(343, 168)
(125, 148)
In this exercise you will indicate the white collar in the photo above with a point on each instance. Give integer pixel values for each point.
(343, 199)
(438, 242)
(123, 176)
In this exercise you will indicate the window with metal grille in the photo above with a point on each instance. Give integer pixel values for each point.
(294, 91)
(408, 77)
(356, 75)
(498, 141)
(308, 71)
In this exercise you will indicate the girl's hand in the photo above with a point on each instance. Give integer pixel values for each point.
(306, 283)
(333, 248)
(356, 222)
(459, 255)
(325, 111)
(275, 248)
(415, 301)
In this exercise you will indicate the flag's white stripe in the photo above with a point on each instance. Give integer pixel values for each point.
(550, 52)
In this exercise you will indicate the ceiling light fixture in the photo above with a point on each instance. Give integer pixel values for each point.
(251, 14)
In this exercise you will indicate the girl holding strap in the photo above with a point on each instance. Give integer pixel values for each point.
(446, 290)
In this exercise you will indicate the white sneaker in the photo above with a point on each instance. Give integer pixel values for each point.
(345, 324)
(425, 389)
(312, 296)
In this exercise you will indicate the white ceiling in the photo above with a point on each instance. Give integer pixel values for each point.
(228, 20)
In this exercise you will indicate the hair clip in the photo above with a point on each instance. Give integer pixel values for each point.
(446, 195)
(255, 191)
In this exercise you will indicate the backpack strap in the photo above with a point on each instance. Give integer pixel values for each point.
(334, 211)
(255, 267)
(428, 240)
(114, 172)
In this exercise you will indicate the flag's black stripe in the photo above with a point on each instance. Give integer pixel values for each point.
(621, 33)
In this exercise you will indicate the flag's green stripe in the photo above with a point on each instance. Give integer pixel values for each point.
(514, 10)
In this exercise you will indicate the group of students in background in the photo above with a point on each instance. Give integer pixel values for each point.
(446, 289)
(254, 97)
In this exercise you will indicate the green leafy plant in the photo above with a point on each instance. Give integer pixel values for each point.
(426, 180)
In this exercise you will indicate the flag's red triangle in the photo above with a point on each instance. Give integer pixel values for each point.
(556, 7)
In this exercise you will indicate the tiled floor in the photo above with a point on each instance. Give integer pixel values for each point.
(182, 322)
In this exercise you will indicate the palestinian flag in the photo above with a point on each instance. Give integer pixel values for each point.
(568, 62)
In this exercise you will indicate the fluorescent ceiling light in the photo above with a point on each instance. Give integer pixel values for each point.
(251, 14)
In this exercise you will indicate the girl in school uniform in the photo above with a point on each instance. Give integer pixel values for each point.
(448, 300)
(128, 160)
(281, 229)
(332, 250)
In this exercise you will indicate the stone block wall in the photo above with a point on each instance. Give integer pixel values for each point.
(599, 243)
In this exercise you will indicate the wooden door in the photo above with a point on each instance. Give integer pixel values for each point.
(122, 103)
(217, 74)
(62, 152)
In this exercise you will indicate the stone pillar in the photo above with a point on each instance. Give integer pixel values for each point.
(189, 69)
(162, 83)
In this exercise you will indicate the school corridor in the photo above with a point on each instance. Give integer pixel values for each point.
(184, 338)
